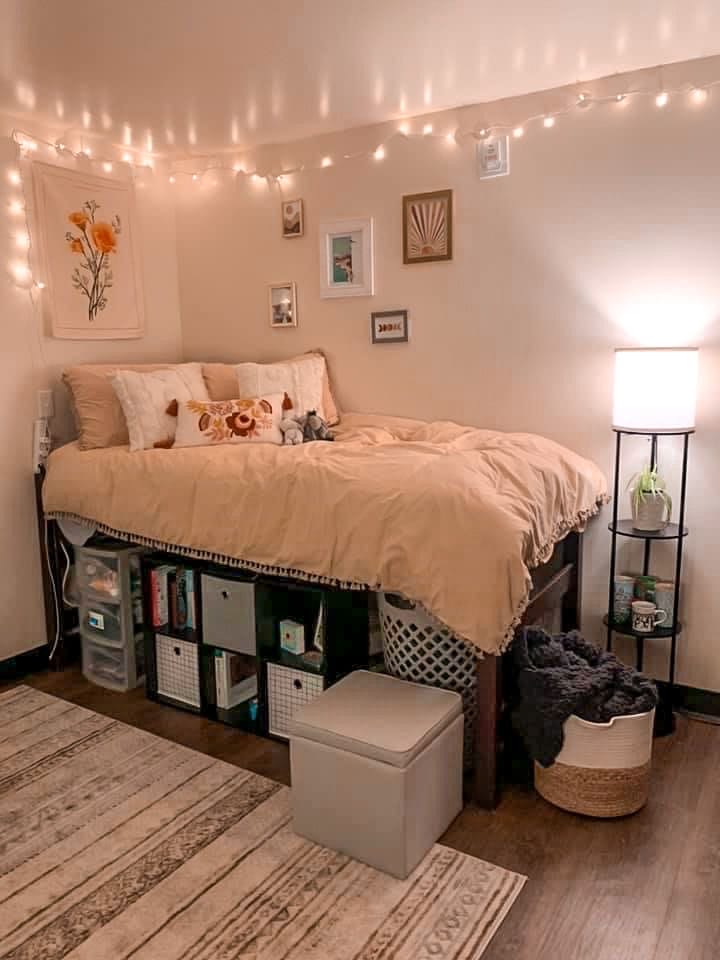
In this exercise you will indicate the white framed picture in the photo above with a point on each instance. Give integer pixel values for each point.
(346, 258)
(283, 304)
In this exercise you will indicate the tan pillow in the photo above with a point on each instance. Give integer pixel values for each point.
(222, 384)
(98, 414)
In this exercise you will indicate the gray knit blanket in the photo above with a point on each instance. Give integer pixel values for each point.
(565, 674)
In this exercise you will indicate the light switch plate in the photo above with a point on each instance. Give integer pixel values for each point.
(493, 157)
(46, 405)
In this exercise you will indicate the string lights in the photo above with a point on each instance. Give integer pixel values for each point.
(584, 100)
(661, 95)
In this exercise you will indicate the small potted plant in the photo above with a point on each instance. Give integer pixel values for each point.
(650, 501)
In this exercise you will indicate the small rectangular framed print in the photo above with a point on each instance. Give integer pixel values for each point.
(283, 305)
(293, 218)
(427, 227)
(346, 258)
(389, 326)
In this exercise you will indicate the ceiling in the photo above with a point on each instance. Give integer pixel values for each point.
(196, 76)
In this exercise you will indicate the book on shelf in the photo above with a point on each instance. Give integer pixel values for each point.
(190, 611)
(173, 597)
(172, 588)
(159, 594)
(180, 599)
(235, 679)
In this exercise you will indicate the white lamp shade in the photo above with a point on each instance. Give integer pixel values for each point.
(655, 390)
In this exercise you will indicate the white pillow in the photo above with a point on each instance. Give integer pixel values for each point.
(302, 380)
(145, 397)
(209, 422)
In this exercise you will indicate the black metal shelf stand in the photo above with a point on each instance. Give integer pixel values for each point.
(664, 720)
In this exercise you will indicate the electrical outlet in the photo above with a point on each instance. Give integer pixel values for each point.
(46, 405)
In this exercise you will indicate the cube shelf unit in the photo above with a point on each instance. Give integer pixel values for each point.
(238, 617)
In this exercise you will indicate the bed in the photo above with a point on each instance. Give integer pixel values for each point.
(453, 517)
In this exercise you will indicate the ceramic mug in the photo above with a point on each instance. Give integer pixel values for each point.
(646, 616)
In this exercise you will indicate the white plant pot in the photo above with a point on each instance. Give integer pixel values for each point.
(650, 513)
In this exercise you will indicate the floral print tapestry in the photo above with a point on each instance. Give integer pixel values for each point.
(87, 246)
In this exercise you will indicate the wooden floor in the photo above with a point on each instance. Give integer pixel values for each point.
(643, 888)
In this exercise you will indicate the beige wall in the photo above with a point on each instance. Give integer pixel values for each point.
(30, 360)
(605, 234)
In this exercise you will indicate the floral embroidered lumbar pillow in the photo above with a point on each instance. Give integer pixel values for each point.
(209, 422)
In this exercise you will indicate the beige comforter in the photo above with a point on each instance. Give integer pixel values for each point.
(450, 516)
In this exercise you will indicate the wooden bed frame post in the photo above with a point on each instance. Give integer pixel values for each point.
(489, 705)
(558, 587)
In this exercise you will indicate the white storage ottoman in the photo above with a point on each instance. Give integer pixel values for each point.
(377, 769)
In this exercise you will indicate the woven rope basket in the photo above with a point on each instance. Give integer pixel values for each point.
(595, 793)
(603, 769)
(419, 648)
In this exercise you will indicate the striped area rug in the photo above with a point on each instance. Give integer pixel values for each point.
(117, 844)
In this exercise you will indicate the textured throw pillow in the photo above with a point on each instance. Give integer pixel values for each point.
(145, 398)
(222, 383)
(209, 422)
(301, 380)
(98, 415)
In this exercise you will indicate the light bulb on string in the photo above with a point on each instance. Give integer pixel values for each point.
(450, 137)
(379, 153)
(15, 207)
(127, 158)
(427, 129)
(518, 132)
(661, 99)
(699, 95)
(620, 98)
(14, 177)
(40, 285)
(584, 100)
(171, 179)
(326, 162)
(196, 176)
(404, 128)
(21, 272)
(107, 167)
(549, 122)
(22, 241)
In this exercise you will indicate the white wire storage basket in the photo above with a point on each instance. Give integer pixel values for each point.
(419, 648)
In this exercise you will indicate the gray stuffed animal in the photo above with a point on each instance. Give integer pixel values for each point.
(314, 427)
(291, 430)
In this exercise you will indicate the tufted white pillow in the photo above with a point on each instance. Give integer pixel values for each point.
(302, 379)
(145, 398)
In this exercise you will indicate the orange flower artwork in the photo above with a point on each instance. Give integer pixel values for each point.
(96, 240)
(103, 236)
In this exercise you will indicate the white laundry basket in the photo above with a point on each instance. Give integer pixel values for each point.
(418, 648)
(603, 769)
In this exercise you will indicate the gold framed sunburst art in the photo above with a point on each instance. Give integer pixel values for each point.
(427, 227)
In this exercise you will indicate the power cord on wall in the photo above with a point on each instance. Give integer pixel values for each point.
(61, 600)
(56, 601)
